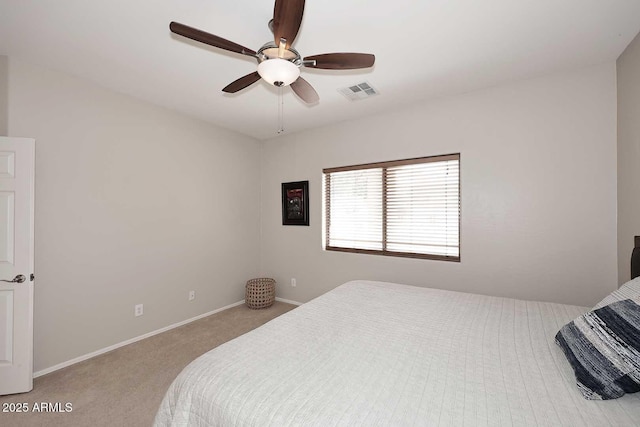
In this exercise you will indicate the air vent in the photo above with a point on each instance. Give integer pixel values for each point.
(359, 91)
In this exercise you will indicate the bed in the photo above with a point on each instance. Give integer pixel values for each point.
(374, 353)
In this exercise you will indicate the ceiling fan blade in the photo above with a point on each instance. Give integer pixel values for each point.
(242, 82)
(210, 39)
(342, 61)
(287, 16)
(303, 89)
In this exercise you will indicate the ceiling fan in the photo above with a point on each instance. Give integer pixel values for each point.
(278, 63)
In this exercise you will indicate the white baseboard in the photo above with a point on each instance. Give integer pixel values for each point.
(288, 301)
(132, 340)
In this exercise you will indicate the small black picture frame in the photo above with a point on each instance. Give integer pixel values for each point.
(295, 203)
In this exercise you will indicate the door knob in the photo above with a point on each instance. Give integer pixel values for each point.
(18, 279)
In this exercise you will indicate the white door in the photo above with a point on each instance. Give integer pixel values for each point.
(17, 161)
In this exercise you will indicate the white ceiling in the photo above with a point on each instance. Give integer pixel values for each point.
(424, 49)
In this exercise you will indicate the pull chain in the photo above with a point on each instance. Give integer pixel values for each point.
(280, 111)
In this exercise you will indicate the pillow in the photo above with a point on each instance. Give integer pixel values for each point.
(629, 290)
(603, 348)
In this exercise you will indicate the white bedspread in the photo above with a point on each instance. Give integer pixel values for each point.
(372, 353)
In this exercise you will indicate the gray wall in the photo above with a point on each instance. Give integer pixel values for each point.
(538, 183)
(628, 155)
(134, 204)
(4, 94)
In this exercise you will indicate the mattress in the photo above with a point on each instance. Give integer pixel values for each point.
(374, 353)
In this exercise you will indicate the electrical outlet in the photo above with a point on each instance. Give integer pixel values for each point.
(138, 310)
(293, 282)
(192, 295)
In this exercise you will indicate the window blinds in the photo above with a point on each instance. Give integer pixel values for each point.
(355, 209)
(401, 208)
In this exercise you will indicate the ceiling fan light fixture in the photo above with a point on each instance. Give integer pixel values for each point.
(278, 72)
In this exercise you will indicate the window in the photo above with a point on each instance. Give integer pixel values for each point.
(407, 208)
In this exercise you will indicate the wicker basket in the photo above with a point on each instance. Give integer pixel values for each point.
(260, 293)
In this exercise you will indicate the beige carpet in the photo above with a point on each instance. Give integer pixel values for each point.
(125, 387)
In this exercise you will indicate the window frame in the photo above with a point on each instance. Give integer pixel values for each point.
(384, 166)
